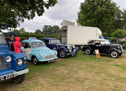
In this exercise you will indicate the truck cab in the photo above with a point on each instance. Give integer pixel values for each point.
(12, 65)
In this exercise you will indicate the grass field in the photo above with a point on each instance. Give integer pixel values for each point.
(80, 73)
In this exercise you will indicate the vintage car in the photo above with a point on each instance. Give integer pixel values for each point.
(62, 49)
(114, 50)
(36, 51)
(12, 65)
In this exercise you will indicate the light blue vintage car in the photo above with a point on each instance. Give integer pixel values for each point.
(36, 51)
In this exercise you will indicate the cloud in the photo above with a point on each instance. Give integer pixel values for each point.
(37, 23)
(121, 3)
(64, 10)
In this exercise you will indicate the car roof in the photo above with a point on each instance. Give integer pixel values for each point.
(30, 41)
(49, 38)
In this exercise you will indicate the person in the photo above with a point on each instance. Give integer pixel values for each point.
(10, 43)
(17, 45)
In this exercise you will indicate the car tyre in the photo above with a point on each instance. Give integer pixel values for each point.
(75, 54)
(87, 51)
(19, 79)
(114, 54)
(35, 61)
(62, 54)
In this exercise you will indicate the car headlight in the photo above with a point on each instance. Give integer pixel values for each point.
(20, 62)
(25, 58)
(73, 46)
(68, 47)
(8, 59)
(41, 55)
(118, 47)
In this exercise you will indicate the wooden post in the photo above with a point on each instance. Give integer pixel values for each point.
(97, 53)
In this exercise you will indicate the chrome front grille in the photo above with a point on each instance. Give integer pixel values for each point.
(70, 48)
(48, 57)
(2, 63)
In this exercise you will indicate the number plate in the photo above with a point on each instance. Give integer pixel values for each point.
(6, 77)
(50, 61)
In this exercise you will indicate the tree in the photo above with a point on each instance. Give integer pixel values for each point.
(120, 20)
(16, 31)
(119, 33)
(118, 24)
(14, 11)
(47, 29)
(56, 30)
(22, 30)
(51, 30)
(0, 30)
(7, 19)
(98, 13)
(124, 19)
(38, 31)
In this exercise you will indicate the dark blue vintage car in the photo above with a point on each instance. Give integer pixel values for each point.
(62, 49)
(12, 65)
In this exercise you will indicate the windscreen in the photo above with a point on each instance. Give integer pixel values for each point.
(54, 42)
(37, 44)
(2, 39)
(101, 37)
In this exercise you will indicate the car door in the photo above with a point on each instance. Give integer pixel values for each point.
(27, 49)
(46, 42)
(91, 44)
(50, 44)
(98, 46)
(104, 48)
(93, 47)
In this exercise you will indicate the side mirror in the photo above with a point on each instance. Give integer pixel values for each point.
(22, 48)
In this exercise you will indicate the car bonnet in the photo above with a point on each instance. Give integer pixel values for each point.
(43, 50)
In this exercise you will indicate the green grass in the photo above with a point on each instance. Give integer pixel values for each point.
(121, 66)
(80, 73)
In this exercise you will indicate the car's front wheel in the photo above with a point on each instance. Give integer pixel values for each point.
(18, 79)
(35, 60)
(87, 51)
(62, 54)
(114, 54)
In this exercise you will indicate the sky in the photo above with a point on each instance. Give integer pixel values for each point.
(63, 10)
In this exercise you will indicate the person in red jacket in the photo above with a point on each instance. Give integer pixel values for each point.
(17, 45)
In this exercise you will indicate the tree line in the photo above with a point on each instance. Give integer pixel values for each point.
(47, 31)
